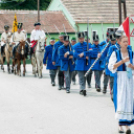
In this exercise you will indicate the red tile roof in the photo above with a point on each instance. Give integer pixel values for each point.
(28, 18)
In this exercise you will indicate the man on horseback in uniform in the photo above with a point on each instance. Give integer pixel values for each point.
(4, 37)
(27, 44)
(17, 37)
(35, 35)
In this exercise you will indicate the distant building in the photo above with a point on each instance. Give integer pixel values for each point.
(98, 11)
(49, 19)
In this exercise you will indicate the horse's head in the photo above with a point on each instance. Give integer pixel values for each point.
(41, 43)
(22, 47)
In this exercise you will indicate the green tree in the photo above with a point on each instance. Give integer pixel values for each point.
(24, 4)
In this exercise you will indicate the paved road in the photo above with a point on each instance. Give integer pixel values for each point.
(30, 105)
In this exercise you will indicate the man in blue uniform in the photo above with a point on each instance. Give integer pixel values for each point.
(81, 53)
(67, 63)
(74, 73)
(107, 72)
(89, 76)
(57, 62)
(48, 59)
(98, 69)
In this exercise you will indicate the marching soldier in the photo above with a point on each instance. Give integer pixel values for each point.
(107, 72)
(17, 37)
(89, 76)
(81, 53)
(48, 57)
(4, 37)
(74, 73)
(67, 64)
(98, 70)
(57, 62)
(35, 35)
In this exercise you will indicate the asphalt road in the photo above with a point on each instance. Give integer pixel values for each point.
(29, 105)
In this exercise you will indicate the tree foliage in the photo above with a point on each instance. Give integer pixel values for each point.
(24, 4)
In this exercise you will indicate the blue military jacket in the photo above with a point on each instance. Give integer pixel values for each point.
(55, 55)
(95, 50)
(66, 62)
(48, 57)
(80, 63)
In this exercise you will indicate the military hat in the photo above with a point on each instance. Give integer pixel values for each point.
(73, 39)
(66, 38)
(52, 39)
(81, 35)
(6, 27)
(119, 33)
(20, 25)
(95, 38)
(112, 37)
(62, 34)
(37, 24)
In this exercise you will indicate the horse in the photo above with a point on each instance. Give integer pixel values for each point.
(8, 53)
(19, 56)
(37, 57)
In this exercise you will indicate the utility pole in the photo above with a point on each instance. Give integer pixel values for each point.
(38, 7)
(120, 3)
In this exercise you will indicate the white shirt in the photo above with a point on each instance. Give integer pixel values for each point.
(18, 37)
(4, 37)
(36, 34)
(24, 31)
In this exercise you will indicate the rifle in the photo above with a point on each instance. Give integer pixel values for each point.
(69, 43)
(87, 40)
(57, 28)
(96, 60)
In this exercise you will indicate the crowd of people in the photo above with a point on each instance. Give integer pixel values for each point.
(67, 59)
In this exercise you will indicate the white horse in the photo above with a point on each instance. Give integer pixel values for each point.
(7, 54)
(37, 57)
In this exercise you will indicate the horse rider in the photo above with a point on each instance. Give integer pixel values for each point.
(27, 44)
(17, 37)
(35, 35)
(4, 37)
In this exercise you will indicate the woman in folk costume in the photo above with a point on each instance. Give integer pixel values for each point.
(121, 63)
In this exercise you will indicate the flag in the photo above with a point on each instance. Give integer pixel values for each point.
(126, 28)
(15, 23)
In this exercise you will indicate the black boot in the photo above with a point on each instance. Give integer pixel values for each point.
(2, 50)
(84, 92)
(104, 90)
(14, 49)
(98, 89)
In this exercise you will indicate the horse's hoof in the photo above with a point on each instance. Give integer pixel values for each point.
(34, 75)
(23, 74)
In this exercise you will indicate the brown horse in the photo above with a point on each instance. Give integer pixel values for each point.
(19, 56)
